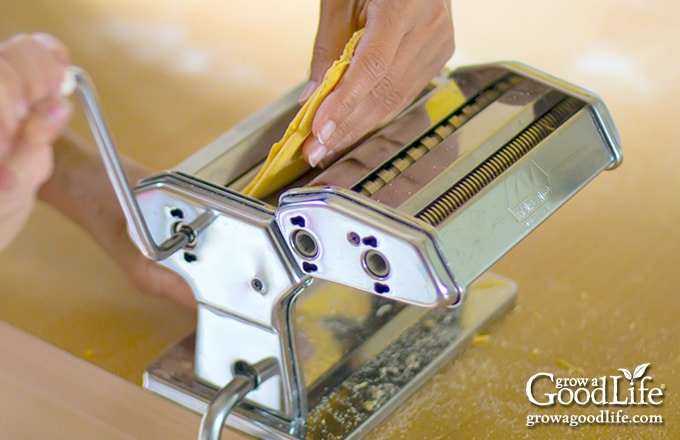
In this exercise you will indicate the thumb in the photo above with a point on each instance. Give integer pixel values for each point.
(331, 38)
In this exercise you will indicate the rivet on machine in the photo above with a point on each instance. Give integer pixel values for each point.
(324, 307)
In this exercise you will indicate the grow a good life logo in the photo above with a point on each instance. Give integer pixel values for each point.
(625, 390)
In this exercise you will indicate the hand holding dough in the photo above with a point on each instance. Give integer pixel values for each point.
(285, 162)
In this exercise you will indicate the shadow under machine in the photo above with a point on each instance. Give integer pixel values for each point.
(325, 306)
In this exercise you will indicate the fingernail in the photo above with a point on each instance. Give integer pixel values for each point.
(318, 152)
(325, 132)
(307, 91)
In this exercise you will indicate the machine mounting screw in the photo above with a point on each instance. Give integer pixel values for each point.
(353, 238)
(257, 285)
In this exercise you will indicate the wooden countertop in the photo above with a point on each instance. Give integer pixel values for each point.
(598, 282)
(48, 393)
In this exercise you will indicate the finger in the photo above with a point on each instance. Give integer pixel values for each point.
(420, 56)
(381, 105)
(24, 54)
(334, 31)
(375, 112)
(46, 121)
(31, 162)
(371, 62)
(40, 61)
(152, 278)
(413, 70)
(14, 212)
(56, 47)
(12, 107)
(377, 105)
(8, 179)
(25, 170)
(54, 66)
(56, 74)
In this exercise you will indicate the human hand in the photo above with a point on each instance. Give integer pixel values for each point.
(32, 114)
(81, 190)
(405, 44)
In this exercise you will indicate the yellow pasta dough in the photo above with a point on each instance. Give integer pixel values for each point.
(441, 103)
(284, 162)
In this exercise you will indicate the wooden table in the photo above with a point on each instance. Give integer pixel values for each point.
(597, 281)
(48, 393)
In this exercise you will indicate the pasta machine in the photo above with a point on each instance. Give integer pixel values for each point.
(324, 306)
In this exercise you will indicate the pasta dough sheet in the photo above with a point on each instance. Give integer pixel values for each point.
(285, 162)
(441, 103)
